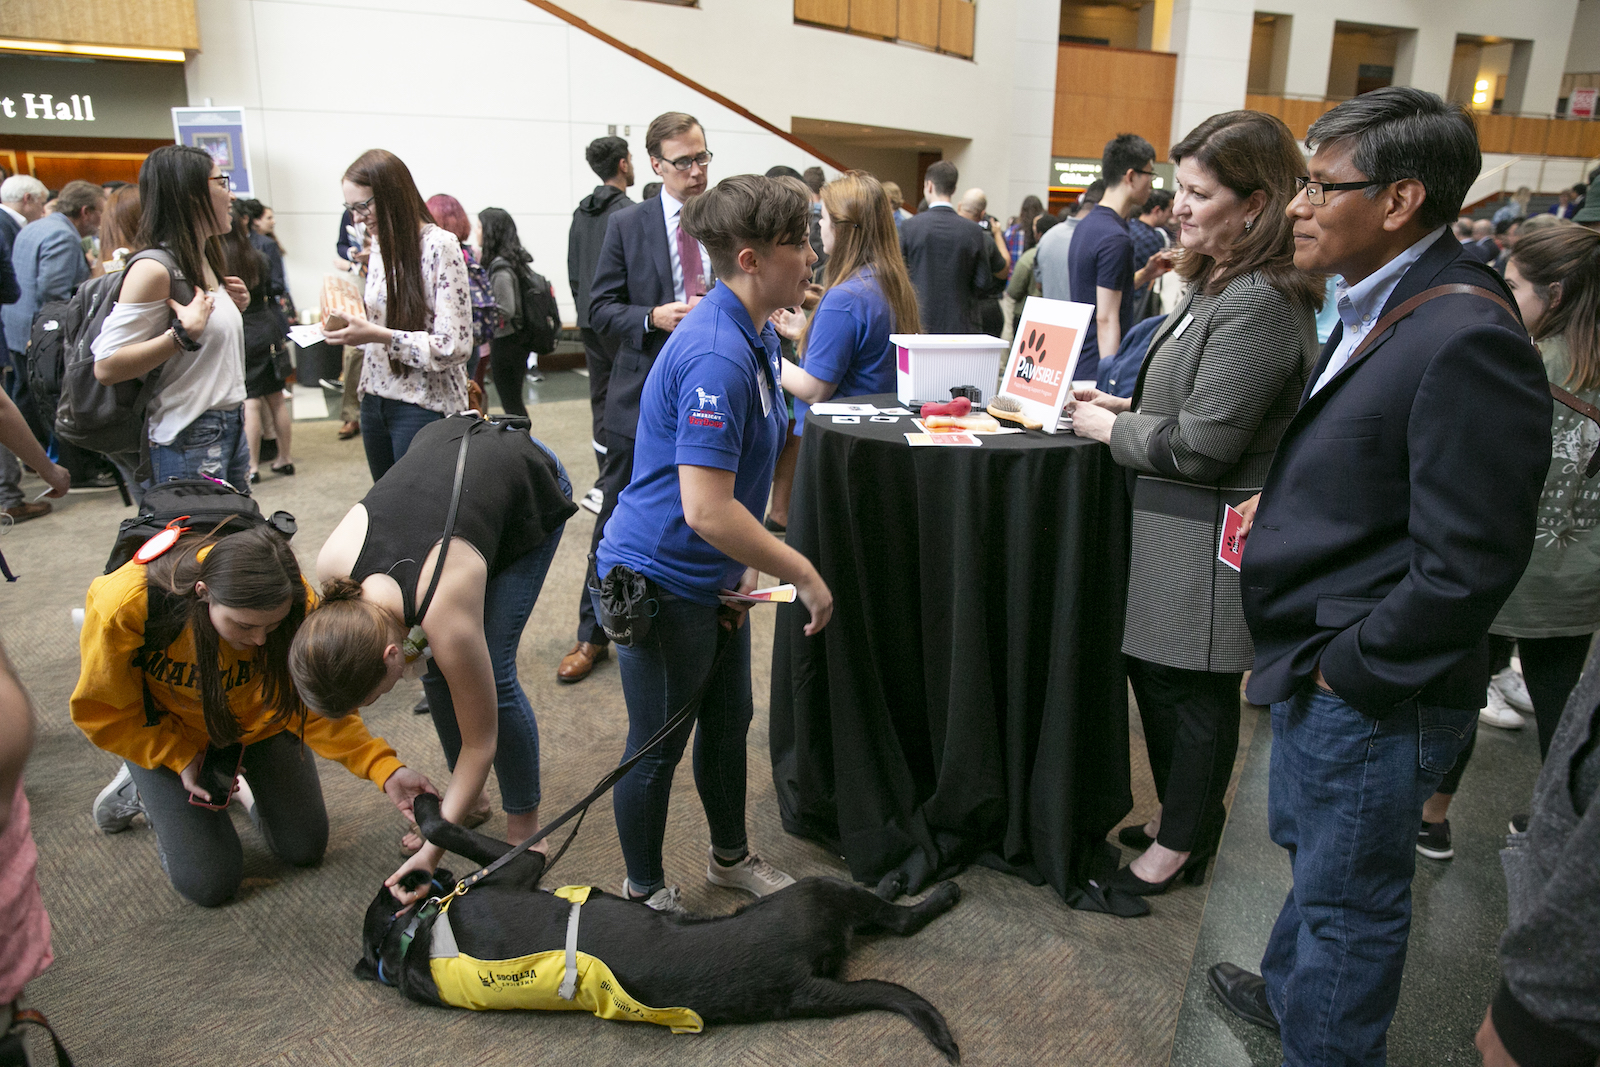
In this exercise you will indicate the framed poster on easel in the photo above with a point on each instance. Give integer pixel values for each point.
(1044, 355)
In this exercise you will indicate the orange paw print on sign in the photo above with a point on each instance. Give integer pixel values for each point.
(1041, 372)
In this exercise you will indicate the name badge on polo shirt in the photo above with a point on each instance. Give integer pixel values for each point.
(766, 396)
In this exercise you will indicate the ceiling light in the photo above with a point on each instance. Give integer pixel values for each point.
(1480, 98)
(1482, 86)
(164, 55)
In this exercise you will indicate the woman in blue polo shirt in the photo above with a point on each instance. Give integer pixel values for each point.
(845, 349)
(711, 423)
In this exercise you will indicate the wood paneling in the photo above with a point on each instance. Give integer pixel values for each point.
(955, 27)
(140, 24)
(1500, 134)
(1494, 132)
(877, 18)
(1101, 92)
(835, 13)
(1298, 115)
(56, 169)
(919, 22)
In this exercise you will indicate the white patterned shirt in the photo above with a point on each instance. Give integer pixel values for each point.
(432, 361)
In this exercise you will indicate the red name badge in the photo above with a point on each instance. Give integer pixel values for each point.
(1231, 548)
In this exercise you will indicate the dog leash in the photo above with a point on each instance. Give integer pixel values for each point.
(685, 715)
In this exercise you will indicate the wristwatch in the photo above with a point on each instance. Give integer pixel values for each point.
(180, 335)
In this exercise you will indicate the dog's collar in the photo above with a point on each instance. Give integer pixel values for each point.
(410, 932)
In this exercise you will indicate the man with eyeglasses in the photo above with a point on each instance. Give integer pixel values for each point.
(649, 274)
(1397, 517)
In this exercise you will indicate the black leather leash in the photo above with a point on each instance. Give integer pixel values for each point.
(685, 716)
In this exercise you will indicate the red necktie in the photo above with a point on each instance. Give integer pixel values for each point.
(689, 258)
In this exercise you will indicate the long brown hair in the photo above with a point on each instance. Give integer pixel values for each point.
(243, 260)
(175, 201)
(337, 656)
(119, 223)
(255, 570)
(1248, 151)
(864, 237)
(1568, 256)
(400, 213)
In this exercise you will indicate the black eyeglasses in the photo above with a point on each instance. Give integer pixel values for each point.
(222, 181)
(685, 162)
(1148, 173)
(1317, 192)
(361, 207)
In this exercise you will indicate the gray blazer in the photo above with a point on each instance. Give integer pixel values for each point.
(1220, 383)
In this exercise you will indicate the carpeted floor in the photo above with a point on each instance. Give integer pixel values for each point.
(143, 978)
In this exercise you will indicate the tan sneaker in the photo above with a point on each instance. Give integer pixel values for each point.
(752, 874)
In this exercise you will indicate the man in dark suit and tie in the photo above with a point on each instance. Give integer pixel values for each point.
(649, 274)
(953, 263)
(1397, 517)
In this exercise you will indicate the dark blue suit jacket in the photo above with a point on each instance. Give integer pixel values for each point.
(633, 275)
(8, 278)
(1399, 511)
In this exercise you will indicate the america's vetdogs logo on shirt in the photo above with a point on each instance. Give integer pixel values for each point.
(704, 411)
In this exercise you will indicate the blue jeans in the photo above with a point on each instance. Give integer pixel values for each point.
(507, 602)
(212, 446)
(387, 427)
(1345, 799)
(659, 675)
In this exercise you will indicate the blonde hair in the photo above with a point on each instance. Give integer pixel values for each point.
(864, 236)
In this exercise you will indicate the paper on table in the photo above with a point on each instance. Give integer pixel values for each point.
(844, 409)
(895, 411)
(919, 424)
(942, 439)
(775, 594)
(846, 419)
(1230, 549)
(885, 418)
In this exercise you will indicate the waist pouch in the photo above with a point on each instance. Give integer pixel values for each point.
(627, 603)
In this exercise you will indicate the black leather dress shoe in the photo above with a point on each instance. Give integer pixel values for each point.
(1243, 993)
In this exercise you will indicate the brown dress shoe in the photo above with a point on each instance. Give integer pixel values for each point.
(576, 665)
(349, 430)
(34, 509)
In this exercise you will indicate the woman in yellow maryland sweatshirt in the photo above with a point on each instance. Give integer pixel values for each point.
(231, 608)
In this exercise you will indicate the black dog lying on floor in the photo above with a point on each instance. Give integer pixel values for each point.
(505, 942)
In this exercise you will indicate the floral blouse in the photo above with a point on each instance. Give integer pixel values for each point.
(424, 367)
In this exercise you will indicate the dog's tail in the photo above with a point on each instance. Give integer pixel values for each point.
(827, 998)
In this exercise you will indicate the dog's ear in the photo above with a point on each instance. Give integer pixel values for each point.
(412, 879)
(365, 970)
(445, 879)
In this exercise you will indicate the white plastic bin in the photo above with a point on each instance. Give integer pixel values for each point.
(929, 365)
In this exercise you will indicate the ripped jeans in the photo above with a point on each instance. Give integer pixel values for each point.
(212, 446)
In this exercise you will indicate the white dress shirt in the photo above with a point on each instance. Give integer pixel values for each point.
(1361, 305)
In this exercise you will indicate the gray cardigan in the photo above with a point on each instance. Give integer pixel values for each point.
(1221, 382)
(1548, 1009)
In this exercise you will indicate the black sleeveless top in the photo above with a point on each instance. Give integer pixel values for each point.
(511, 501)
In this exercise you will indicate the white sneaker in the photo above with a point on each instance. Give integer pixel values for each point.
(591, 501)
(752, 874)
(118, 803)
(1499, 713)
(1509, 684)
(668, 899)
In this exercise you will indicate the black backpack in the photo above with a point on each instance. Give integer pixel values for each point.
(212, 509)
(101, 418)
(538, 319)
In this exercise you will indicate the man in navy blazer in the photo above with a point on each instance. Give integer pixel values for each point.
(1396, 519)
(650, 273)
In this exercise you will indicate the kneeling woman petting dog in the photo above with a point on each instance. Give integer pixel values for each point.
(711, 424)
(232, 606)
(441, 563)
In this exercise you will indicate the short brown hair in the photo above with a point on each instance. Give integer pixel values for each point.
(1248, 151)
(747, 210)
(670, 124)
(76, 196)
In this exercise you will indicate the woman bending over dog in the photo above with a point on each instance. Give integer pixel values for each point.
(376, 616)
(232, 606)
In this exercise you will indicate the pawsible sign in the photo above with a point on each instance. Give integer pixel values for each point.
(1044, 354)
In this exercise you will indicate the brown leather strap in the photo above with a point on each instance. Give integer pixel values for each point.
(1457, 289)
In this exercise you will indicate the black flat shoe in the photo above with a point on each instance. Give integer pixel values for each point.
(1135, 837)
(255, 477)
(287, 470)
(1243, 993)
(1193, 872)
(775, 527)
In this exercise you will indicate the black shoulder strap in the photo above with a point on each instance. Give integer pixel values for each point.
(449, 528)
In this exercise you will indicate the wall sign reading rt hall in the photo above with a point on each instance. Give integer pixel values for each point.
(55, 97)
(45, 106)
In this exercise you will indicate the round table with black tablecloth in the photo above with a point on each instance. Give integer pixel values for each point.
(967, 702)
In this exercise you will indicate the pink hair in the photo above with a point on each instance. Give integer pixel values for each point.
(449, 214)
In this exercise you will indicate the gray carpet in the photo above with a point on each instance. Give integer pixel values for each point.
(144, 978)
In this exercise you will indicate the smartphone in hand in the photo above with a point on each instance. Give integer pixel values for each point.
(219, 773)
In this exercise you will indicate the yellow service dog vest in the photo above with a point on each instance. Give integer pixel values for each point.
(558, 980)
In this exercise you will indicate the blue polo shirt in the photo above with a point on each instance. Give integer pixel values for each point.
(711, 400)
(849, 342)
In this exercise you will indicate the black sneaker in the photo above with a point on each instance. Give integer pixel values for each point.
(95, 483)
(1433, 840)
(1519, 824)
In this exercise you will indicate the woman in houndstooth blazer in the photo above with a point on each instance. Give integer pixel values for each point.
(1222, 379)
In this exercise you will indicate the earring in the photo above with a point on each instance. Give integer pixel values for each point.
(1248, 223)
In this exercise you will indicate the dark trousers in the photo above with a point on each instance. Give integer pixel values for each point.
(1344, 799)
(615, 473)
(1550, 667)
(1191, 732)
(200, 849)
(508, 368)
(387, 427)
(598, 355)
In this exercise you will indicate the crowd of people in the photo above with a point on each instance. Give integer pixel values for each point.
(1390, 570)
